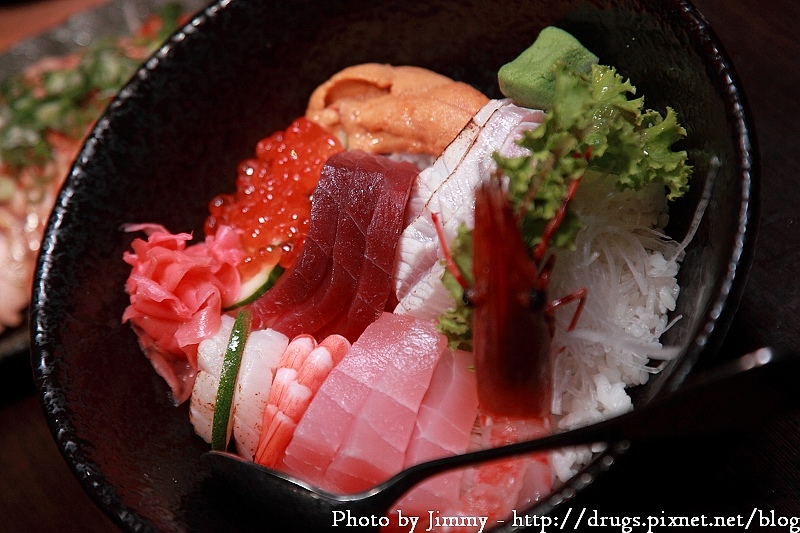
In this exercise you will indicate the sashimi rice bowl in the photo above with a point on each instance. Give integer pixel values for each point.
(389, 252)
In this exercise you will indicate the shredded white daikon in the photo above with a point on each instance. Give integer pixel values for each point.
(629, 267)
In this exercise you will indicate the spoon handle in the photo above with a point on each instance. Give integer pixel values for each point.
(742, 392)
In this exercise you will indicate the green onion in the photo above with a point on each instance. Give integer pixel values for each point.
(7, 188)
(68, 99)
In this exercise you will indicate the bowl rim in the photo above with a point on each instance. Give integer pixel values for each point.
(712, 330)
(747, 158)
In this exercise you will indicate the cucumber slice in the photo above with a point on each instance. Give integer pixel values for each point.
(254, 287)
(220, 425)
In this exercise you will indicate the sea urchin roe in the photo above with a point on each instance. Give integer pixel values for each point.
(384, 109)
(272, 203)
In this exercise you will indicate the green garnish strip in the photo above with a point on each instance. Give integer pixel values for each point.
(227, 379)
(274, 274)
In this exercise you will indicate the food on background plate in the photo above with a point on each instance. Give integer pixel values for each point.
(45, 113)
(514, 286)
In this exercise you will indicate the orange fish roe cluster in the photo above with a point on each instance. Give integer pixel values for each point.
(272, 203)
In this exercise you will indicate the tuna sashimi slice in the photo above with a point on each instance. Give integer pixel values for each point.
(331, 296)
(375, 448)
(448, 412)
(343, 280)
(444, 425)
(372, 395)
(310, 268)
(376, 277)
(338, 401)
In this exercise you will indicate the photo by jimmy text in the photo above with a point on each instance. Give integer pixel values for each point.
(410, 524)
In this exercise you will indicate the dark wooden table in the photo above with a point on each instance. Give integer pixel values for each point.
(724, 475)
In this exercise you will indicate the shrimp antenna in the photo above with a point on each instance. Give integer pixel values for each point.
(554, 223)
(451, 265)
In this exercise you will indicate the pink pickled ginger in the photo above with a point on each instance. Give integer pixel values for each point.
(177, 293)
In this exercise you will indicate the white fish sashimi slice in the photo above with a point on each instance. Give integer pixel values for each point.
(260, 358)
(428, 299)
(418, 244)
(210, 354)
(447, 189)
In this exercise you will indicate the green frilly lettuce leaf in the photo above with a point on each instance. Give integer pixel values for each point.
(456, 323)
(594, 124)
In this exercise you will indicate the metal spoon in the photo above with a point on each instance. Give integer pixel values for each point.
(745, 391)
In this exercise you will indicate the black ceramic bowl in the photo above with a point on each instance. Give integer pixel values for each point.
(244, 68)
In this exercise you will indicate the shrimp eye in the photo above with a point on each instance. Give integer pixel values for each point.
(537, 299)
(467, 298)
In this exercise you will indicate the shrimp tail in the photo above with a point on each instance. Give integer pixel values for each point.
(304, 367)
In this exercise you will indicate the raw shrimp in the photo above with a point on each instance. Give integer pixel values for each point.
(512, 322)
(304, 366)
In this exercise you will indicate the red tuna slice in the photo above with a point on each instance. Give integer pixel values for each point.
(375, 282)
(306, 273)
(330, 297)
(368, 275)
(356, 431)
(342, 279)
(444, 426)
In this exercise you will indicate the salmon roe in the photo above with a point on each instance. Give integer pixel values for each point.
(272, 204)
